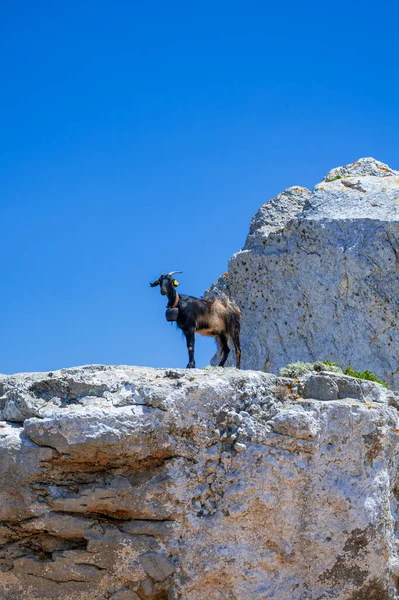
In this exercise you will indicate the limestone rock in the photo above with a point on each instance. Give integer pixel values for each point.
(132, 483)
(318, 277)
(156, 565)
(297, 423)
(322, 388)
(274, 215)
(125, 595)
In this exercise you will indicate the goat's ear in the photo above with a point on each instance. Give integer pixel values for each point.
(155, 283)
(175, 282)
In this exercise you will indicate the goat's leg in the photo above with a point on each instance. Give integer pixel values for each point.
(238, 352)
(224, 347)
(236, 341)
(190, 338)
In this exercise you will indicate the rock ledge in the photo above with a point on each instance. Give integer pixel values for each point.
(132, 483)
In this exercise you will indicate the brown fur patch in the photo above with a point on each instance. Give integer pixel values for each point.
(213, 325)
(210, 332)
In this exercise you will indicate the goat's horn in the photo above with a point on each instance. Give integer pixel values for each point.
(173, 272)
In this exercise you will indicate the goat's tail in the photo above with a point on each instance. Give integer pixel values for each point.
(233, 316)
(233, 326)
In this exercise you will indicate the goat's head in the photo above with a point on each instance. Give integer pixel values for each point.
(166, 282)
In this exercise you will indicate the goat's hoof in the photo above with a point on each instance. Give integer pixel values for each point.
(191, 365)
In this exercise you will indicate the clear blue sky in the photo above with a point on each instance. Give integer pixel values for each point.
(141, 137)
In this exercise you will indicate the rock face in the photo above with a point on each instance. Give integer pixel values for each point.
(318, 277)
(128, 483)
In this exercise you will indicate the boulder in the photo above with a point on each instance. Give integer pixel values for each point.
(318, 277)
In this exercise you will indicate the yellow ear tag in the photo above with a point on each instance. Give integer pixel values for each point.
(175, 282)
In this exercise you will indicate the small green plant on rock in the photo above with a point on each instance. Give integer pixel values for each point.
(296, 369)
(326, 365)
(334, 178)
(330, 363)
(368, 375)
(300, 368)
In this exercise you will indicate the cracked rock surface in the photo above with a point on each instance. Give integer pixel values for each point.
(131, 483)
(318, 277)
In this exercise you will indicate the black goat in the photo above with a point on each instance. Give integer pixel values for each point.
(216, 317)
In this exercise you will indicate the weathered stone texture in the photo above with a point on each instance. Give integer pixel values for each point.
(128, 483)
(318, 277)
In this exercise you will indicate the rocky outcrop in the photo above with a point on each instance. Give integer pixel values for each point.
(129, 483)
(318, 277)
